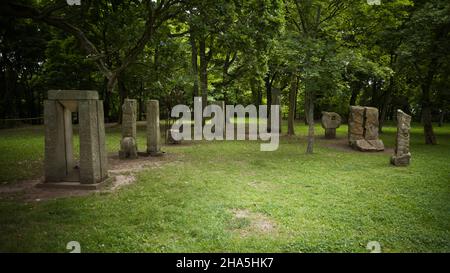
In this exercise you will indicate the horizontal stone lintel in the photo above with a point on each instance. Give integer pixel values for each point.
(72, 95)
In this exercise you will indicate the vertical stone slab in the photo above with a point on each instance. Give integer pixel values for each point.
(129, 111)
(402, 154)
(355, 124)
(90, 156)
(103, 155)
(55, 161)
(153, 133)
(371, 123)
(72, 172)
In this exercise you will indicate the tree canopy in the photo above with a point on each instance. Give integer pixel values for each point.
(322, 55)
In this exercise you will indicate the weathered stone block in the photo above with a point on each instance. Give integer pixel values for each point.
(93, 158)
(153, 133)
(72, 95)
(128, 148)
(402, 154)
(363, 129)
(128, 143)
(371, 123)
(355, 124)
(330, 121)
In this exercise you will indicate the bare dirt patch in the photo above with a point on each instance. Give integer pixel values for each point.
(122, 172)
(247, 223)
(341, 144)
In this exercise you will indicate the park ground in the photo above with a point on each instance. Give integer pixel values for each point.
(228, 196)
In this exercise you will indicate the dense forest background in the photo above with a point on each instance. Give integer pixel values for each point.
(322, 55)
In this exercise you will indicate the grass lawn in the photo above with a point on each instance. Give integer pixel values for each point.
(229, 197)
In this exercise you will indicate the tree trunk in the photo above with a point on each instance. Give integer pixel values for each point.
(355, 89)
(441, 118)
(194, 65)
(268, 85)
(430, 137)
(310, 119)
(203, 72)
(292, 104)
(385, 105)
(123, 94)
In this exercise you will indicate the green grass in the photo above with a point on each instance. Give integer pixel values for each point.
(333, 200)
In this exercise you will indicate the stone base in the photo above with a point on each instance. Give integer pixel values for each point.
(74, 185)
(127, 155)
(128, 148)
(402, 160)
(159, 153)
(364, 145)
(330, 133)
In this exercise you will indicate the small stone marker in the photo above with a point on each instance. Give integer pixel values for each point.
(402, 155)
(153, 133)
(363, 129)
(330, 121)
(128, 144)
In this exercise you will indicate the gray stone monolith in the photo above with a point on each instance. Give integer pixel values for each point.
(128, 143)
(153, 133)
(402, 155)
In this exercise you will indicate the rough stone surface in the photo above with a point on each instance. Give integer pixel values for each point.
(128, 144)
(93, 158)
(59, 163)
(128, 148)
(355, 124)
(72, 95)
(363, 129)
(153, 133)
(371, 123)
(402, 155)
(330, 121)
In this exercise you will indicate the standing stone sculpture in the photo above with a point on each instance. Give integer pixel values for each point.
(128, 143)
(330, 121)
(363, 129)
(402, 155)
(153, 133)
(59, 165)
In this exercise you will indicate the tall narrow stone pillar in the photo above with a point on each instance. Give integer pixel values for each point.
(93, 158)
(402, 155)
(128, 143)
(153, 133)
(58, 142)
